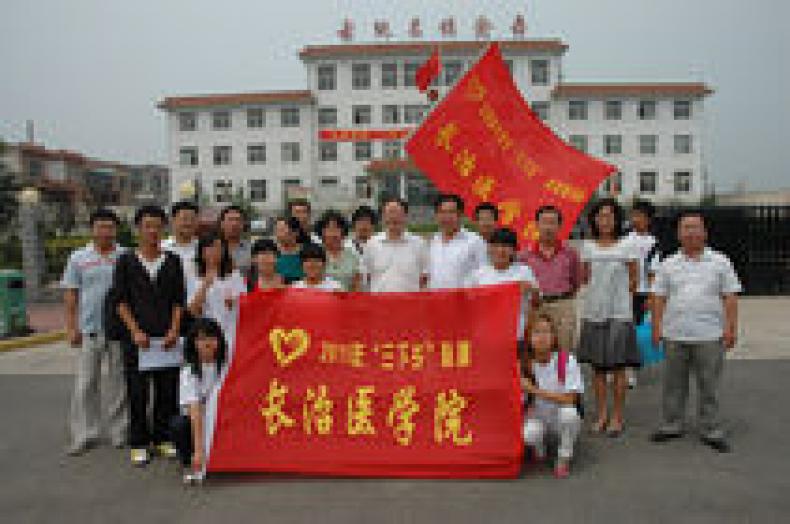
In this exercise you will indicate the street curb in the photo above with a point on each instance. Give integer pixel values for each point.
(32, 340)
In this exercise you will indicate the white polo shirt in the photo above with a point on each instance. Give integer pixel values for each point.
(394, 265)
(693, 290)
(452, 261)
(186, 252)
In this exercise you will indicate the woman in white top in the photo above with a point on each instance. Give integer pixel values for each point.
(553, 380)
(204, 361)
(502, 248)
(214, 291)
(607, 340)
(314, 265)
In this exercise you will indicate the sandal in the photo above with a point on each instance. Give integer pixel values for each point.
(599, 427)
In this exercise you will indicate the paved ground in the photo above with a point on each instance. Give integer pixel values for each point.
(627, 480)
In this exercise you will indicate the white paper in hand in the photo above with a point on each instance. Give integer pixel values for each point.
(156, 357)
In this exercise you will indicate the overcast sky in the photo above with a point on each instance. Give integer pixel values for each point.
(89, 72)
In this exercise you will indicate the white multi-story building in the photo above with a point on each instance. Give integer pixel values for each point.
(328, 142)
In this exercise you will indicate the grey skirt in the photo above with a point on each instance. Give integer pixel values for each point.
(608, 345)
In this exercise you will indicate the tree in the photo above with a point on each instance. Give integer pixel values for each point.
(244, 202)
(8, 193)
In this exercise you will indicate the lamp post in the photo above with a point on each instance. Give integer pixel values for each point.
(32, 245)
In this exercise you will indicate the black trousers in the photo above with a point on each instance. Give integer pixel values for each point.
(164, 382)
(181, 431)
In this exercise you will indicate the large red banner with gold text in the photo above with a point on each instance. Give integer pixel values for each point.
(386, 385)
(484, 143)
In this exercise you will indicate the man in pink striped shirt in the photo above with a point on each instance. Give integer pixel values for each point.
(558, 271)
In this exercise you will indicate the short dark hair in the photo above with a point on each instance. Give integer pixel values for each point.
(644, 207)
(331, 216)
(389, 199)
(299, 202)
(182, 206)
(449, 197)
(618, 217)
(312, 251)
(104, 214)
(292, 223)
(504, 235)
(225, 262)
(265, 245)
(486, 206)
(691, 212)
(548, 208)
(363, 212)
(204, 326)
(150, 211)
(230, 209)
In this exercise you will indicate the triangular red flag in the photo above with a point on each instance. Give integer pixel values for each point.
(428, 72)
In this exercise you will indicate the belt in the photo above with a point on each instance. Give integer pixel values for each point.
(554, 298)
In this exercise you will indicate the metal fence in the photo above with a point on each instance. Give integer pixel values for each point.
(756, 238)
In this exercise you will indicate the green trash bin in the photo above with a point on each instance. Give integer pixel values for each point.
(13, 310)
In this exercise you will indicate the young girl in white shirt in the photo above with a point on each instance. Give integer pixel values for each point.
(314, 266)
(553, 381)
(204, 360)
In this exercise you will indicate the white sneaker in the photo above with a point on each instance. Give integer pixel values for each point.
(139, 457)
(193, 477)
(167, 450)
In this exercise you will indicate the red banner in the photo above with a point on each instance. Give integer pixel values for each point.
(484, 143)
(361, 135)
(383, 385)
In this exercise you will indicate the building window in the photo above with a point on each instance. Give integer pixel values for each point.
(682, 181)
(363, 150)
(389, 75)
(327, 151)
(392, 149)
(390, 114)
(327, 116)
(257, 190)
(360, 76)
(452, 72)
(291, 152)
(647, 182)
(614, 184)
(187, 121)
(612, 144)
(579, 142)
(362, 187)
(410, 73)
(221, 155)
(361, 115)
(220, 120)
(648, 144)
(682, 109)
(577, 110)
(256, 153)
(613, 110)
(188, 156)
(647, 110)
(509, 65)
(541, 110)
(288, 184)
(223, 191)
(329, 183)
(413, 114)
(540, 72)
(327, 77)
(289, 117)
(256, 117)
(682, 144)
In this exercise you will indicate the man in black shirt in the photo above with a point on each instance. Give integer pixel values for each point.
(150, 288)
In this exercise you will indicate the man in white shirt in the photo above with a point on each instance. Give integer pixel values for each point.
(395, 260)
(183, 242)
(454, 252)
(695, 312)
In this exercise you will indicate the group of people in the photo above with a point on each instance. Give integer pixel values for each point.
(183, 292)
